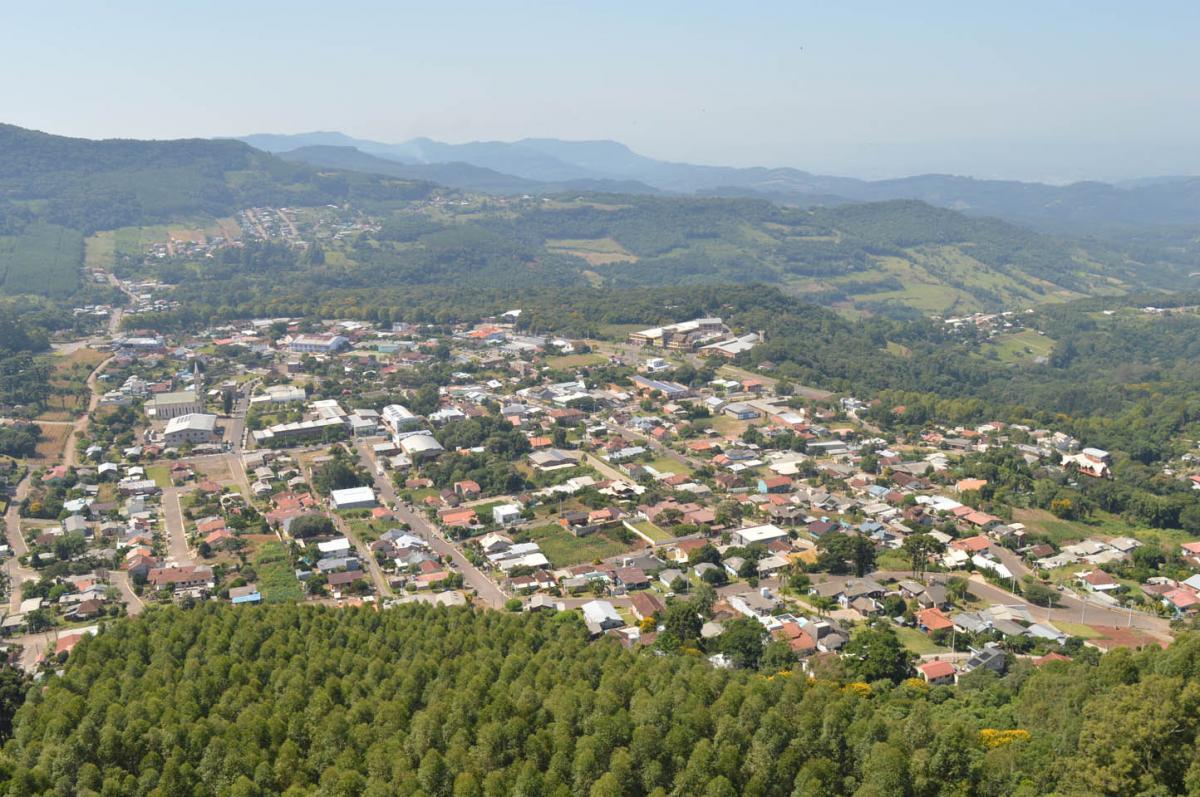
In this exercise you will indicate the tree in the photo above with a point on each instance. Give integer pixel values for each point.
(875, 654)
(680, 618)
(705, 553)
(1038, 593)
(313, 525)
(13, 685)
(840, 553)
(920, 548)
(742, 641)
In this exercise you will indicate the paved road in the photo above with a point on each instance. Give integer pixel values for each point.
(17, 573)
(486, 590)
(235, 430)
(120, 580)
(178, 551)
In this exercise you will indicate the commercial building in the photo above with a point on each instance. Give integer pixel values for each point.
(194, 428)
(353, 498)
(318, 344)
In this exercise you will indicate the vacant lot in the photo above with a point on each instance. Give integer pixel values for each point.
(277, 580)
(666, 464)
(652, 531)
(564, 549)
(576, 360)
(54, 437)
(68, 381)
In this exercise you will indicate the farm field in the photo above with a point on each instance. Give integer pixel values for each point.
(596, 251)
(44, 258)
(68, 381)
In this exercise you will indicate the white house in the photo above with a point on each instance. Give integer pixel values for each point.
(599, 616)
(760, 534)
(506, 514)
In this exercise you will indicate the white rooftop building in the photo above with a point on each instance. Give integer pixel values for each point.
(353, 498)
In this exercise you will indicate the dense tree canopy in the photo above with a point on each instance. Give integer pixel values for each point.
(456, 702)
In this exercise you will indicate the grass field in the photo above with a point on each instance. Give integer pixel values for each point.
(1016, 348)
(161, 475)
(44, 259)
(564, 549)
(1101, 525)
(54, 436)
(100, 250)
(576, 360)
(665, 464)
(366, 529)
(652, 531)
(276, 580)
(918, 643)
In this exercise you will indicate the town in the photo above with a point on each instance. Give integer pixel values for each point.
(643, 481)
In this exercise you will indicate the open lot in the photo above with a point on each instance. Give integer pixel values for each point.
(54, 436)
(576, 360)
(564, 549)
(277, 581)
(1018, 347)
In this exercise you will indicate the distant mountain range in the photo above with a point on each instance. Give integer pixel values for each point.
(546, 165)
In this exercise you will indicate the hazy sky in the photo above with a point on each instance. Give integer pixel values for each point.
(1033, 90)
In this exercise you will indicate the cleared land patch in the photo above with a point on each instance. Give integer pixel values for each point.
(596, 251)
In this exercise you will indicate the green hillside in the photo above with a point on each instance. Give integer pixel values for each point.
(892, 257)
(457, 703)
(55, 189)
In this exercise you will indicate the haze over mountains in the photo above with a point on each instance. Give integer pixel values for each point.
(543, 165)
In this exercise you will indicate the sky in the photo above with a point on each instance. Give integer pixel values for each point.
(1051, 91)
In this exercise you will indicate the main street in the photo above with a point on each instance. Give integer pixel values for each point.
(485, 589)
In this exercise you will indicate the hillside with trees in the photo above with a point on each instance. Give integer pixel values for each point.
(893, 257)
(458, 703)
(54, 190)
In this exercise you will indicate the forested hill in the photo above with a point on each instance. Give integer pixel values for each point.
(466, 176)
(892, 257)
(1082, 208)
(899, 256)
(88, 185)
(441, 702)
